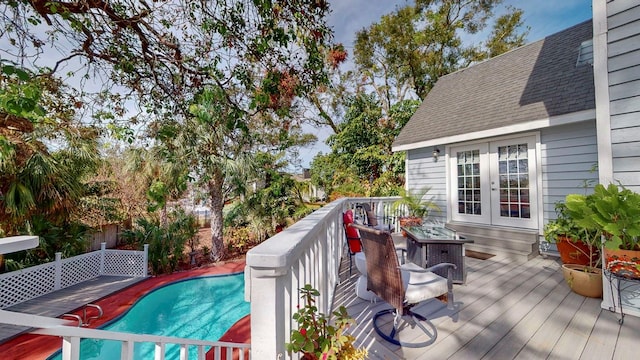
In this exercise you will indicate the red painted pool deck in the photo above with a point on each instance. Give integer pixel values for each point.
(28, 346)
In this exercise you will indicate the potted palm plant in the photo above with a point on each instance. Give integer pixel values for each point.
(416, 206)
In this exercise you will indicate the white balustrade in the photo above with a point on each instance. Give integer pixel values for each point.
(71, 336)
(308, 252)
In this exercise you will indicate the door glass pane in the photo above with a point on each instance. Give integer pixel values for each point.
(469, 182)
(513, 171)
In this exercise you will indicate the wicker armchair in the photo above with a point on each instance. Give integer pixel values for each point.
(401, 287)
(374, 221)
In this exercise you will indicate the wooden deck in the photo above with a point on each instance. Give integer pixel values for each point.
(505, 310)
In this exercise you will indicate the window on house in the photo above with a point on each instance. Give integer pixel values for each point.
(585, 53)
(469, 201)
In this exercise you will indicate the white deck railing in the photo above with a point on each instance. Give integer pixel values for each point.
(26, 284)
(71, 337)
(309, 252)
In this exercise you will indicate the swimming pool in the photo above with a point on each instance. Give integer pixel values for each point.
(202, 308)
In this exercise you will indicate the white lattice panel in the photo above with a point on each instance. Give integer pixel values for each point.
(23, 285)
(124, 263)
(80, 268)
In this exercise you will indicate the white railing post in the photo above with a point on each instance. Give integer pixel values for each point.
(57, 282)
(145, 260)
(70, 348)
(268, 313)
(103, 248)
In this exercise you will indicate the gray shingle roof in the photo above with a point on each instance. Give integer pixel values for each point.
(533, 82)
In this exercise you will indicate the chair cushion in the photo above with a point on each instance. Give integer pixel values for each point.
(352, 233)
(355, 246)
(421, 286)
(347, 217)
(362, 292)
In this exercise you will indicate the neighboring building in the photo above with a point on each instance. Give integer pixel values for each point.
(313, 193)
(502, 141)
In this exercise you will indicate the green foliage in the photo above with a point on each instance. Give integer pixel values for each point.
(562, 226)
(416, 203)
(276, 203)
(20, 95)
(317, 337)
(573, 221)
(162, 179)
(166, 243)
(361, 161)
(417, 44)
(505, 36)
(46, 156)
(613, 210)
(322, 169)
(218, 82)
(68, 238)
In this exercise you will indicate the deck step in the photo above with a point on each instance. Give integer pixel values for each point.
(514, 244)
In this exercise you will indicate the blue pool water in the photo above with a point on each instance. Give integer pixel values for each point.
(200, 308)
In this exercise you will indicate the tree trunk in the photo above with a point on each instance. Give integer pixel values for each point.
(217, 203)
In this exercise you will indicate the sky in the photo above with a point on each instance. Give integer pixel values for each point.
(544, 17)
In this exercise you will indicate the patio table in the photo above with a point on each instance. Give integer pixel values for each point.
(429, 246)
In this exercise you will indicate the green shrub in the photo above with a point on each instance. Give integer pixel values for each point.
(166, 243)
(68, 238)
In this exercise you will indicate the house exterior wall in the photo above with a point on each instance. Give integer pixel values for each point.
(616, 27)
(569, 155)
(423, 171)
(623, 65)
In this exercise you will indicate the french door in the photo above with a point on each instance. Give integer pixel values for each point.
(494, 183)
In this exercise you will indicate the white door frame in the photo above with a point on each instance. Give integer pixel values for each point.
(488, 170)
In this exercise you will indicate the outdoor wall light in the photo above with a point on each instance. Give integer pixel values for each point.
(436, 154)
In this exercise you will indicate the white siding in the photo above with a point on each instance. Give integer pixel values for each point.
(623, 19)
(424, 172)
(569, 155)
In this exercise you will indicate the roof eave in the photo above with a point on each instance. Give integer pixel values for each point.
(564, 119)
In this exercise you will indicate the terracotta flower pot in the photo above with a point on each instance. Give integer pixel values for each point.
(409, 221)
(575, 252)
(583, 280)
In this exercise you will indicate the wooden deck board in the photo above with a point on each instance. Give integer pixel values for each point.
(498, 341)
(499, 298)
(603, 338)
(574, 338)
(628, 338)
(544, 340)
(506, 310)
